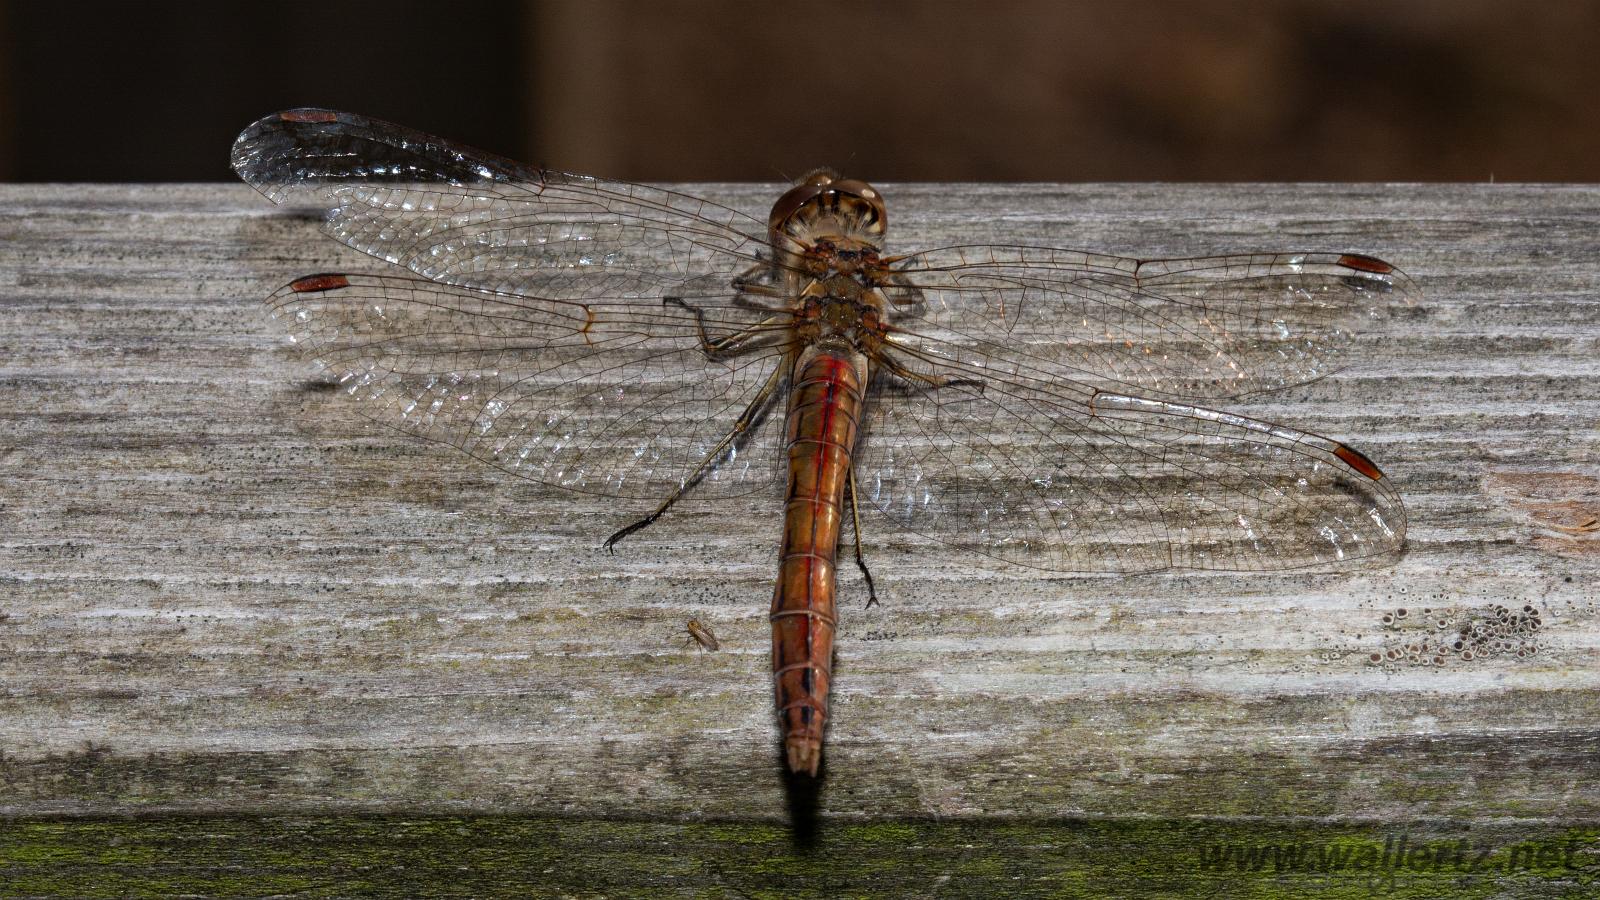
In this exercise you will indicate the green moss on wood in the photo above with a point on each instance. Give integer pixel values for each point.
(326, 856)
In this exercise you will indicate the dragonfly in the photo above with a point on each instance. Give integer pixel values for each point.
(1035, 405)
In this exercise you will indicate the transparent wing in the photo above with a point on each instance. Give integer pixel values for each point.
(1202, 328)
(458, 215)
(1036, 450)
(546, 345)
(541, 344)
(606, 397)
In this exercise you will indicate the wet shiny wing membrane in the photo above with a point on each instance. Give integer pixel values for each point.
(1066, 441)
(536, 338)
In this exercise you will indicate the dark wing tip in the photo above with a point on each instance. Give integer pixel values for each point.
(316, 150)
(259, 149)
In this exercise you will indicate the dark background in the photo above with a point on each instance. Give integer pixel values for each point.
(1301, 90)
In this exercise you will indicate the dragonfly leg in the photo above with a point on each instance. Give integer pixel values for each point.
(729, 342)
(762, 290)
(935, 380)
(746, 419)
(747, 285)
(901, 291)
(762, 268)
(855, 526)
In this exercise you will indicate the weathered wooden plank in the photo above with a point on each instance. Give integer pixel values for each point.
(222, 592)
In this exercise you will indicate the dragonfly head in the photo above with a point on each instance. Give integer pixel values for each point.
(823, 206)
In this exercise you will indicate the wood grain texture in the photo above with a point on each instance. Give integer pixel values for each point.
(222, 591)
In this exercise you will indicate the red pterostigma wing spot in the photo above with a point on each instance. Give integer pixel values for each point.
(1358, 461)
(311, 283)
(1365, 263)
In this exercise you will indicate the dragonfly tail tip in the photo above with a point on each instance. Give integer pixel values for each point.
(804, 757)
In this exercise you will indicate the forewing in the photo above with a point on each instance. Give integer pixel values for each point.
(461, 216)
(603, 396)
(552, 343)
(1037, 449)
(1201, 328)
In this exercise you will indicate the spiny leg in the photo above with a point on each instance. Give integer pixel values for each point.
(746, 418)
(763, 290)
(855, 527)
(729, 342)
(746, 285)
(756, 270)
(900, 290)
(933, 381)
(744, 281)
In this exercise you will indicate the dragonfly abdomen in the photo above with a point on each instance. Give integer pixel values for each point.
(824, 410)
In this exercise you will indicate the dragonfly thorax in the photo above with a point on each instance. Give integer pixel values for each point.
(840, 310)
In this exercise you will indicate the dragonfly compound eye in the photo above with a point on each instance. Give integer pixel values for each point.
(826, 194)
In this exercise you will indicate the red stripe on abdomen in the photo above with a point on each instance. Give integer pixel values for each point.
(824, 411)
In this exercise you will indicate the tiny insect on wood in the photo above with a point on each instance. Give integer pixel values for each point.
(700, 634)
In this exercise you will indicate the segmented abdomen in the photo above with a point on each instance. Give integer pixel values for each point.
(824, 410)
